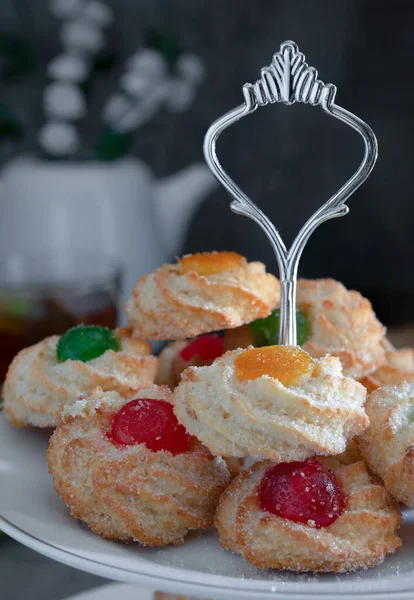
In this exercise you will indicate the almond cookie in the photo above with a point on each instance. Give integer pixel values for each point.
(130, 471)
(330, 320)
(387, 445)
(317, 515)
(274, 402)
(203, 292)
(343, 324)
(39, 384)
(178, 356)
(399, 367)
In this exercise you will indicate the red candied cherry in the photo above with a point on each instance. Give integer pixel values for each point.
(304, 492)
(150, 422)
(206, 347)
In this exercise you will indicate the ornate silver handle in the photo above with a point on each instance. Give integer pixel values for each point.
(289, 79)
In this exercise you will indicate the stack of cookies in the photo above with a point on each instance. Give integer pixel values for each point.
(278, 446)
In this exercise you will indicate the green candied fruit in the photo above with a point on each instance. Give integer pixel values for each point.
(266, 331)
(86, 342)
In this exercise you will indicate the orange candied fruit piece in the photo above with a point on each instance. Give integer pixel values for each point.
(288, 364)
(210, 263)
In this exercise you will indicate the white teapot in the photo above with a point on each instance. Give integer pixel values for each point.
(117, 209)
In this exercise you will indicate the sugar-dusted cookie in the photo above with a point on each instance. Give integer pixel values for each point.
(275, 402)
(44, 378)
(178, 356)
(316, 515)
(201, 293)
(388, 444)
(130, 471)
(330, 320)
(399, 367)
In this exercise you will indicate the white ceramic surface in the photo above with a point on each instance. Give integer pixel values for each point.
(32, 513)
(115, 591)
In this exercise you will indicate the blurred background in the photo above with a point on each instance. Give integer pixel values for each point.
(103, 109)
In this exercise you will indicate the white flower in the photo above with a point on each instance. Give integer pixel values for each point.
(136, 84)
(191, 67)
(58, 139)
(98, 13)
(137, 115)
(64, 101)
(148, 62)
(180, 95)
(68, 67)
(80, 35)
(116, 107)
(66, 9)
(126, 115)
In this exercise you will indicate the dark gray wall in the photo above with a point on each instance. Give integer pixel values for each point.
(288, 160)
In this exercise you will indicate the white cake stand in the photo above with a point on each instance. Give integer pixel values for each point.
(115, 591)
(32, 513)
